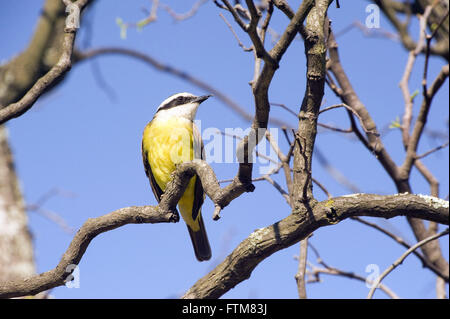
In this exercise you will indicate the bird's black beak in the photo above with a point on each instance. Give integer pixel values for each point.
(202, 98)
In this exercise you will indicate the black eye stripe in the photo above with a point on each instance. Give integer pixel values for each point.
(184, 99)
(180, 100)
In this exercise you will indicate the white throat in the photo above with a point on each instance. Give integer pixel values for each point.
(187, 111)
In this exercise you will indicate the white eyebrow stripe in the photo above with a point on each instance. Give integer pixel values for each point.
(174, 96)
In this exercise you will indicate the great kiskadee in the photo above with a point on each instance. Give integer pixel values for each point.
(171, 138)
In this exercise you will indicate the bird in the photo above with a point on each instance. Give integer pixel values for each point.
(171, 138)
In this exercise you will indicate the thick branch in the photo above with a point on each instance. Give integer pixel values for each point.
(90, 229)
(56, 72)
(349, 97)
(261, 83)
(21, 72)
(262, 243)
(259, 245)
(419, 126)
(315, 49)
(164, 212)
(399, 175)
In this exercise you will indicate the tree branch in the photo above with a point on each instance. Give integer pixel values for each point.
(301, 272)
(401, 259)
(399, 175)
(419, 126)
(56, 72)
(401, 241)
(90, 229)
(259, 245)
(390, 9)
(349, 97)
(329, 270)
(262, 243)
(315, 51)
(98, 52)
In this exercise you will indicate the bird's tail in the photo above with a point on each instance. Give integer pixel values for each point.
(200, 241)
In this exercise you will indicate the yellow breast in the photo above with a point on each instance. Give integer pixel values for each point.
(168, 142)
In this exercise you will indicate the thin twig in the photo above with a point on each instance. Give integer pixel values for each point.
(336, 129)
(54, 217)
(422, 119)
(322, 188)
(235, 15)
(402, 242)
(151, 17)
(273, 171)
(433, 34)
(335, 173)
(284, 107)
(401, 259)
(432, 150)
(368, 32)
(284, 162)
(407, 116)
(278, 188)
(286, 135)
(316, 271)
(329, 270)
(235, 35)
(256, 152)
(301, 272)
(367, 131)
(186, 15)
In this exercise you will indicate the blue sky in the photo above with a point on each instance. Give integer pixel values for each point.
(84, 142)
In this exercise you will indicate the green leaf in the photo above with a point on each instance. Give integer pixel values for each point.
(329, 203)
(123, 32)
(123, 28)
(395, 123)
(141, 24)
(416, 92)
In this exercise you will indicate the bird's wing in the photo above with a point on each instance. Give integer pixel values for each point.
(199, 153)
(157, 191)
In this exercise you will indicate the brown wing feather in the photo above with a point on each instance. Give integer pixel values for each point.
(199, 195)
(157, 191)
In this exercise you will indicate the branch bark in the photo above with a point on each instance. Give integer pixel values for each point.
(16, 247)
(63, 65)
(440, 13)
(399, 175)
(401, 259)
(21, 72)
(258, 246)
(262, 243)
(315, 50)
(90, 229)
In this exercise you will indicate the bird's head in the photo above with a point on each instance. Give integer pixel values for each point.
(181, 105)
